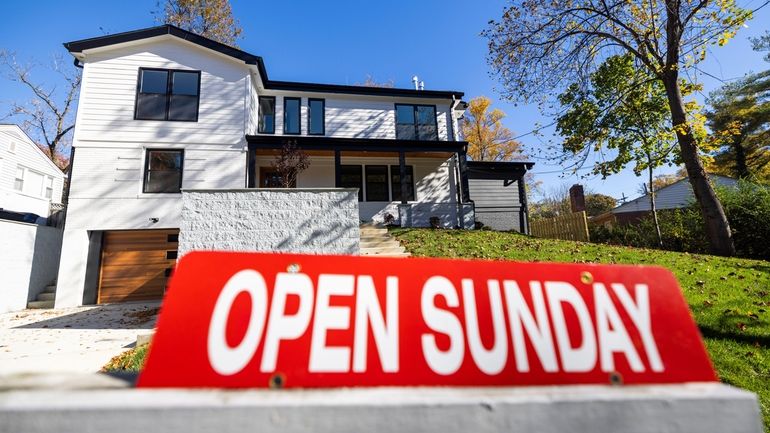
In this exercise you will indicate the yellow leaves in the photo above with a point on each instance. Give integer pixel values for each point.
(488, 139)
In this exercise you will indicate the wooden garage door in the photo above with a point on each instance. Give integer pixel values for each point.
(136, 264)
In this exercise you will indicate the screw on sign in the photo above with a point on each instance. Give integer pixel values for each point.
(286, 321)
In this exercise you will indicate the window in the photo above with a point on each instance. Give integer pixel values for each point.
(12, 147)
(316, 116)
(163, 171)
(167, 95)
(18, 183)
(416, 122)
(350, 177)
(266, 115)
(395, 182)
(377, 183)
(48, 187)
(291, 118)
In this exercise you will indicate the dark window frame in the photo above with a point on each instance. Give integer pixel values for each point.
(299, 115)
(362, 180)
(387, 182)
(415, 118)
(147, 168)
(310, 116)
(260, 129)
(169, 88)
(395, 170)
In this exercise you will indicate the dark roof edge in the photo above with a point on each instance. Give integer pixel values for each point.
(250, 59)
(500, 165)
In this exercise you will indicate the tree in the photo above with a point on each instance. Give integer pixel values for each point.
(597, 204)
(540, 46)
(622, 110)
(370, 81)
(210, 18)
(289, 163)
(739, 119)
(488, 139)
(49, 116)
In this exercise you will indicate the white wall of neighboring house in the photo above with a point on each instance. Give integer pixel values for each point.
(675, 196)
(29, 181)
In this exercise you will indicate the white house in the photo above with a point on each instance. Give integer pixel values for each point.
(29, 180)
(163, 109)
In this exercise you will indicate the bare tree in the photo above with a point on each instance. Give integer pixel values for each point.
(538, 46)
(49, 116)
(290, 163)
(370, 81)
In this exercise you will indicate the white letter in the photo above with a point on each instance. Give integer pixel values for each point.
(583, 357)
(325, 359)
(224, 359)
(385, 332)
(640, 315)
(489, 361)
(283, 327)
(441, 362)
(612, 334)
(539, 332)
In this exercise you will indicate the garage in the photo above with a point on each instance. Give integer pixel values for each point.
(136, 264)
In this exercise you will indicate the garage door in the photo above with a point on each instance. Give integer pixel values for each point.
(136, 264)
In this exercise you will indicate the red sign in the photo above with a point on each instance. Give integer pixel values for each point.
(251, 320)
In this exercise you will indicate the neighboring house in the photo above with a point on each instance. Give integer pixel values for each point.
(499, 195)
(29, 181)
(163, 109)
(677, 195)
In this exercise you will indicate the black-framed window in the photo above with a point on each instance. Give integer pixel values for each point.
(316, 116)
(377, 183)
(163, 171)
(166, 94)
(416, 122)
(291, 117)
(395, 182)
(266, 115)
(351, 177)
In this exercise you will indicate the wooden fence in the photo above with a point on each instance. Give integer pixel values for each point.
(570, 227)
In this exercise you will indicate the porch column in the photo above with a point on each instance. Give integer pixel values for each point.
(251, 167)
(337, 171)
(402, 174)
(462, 159)
(523, 210)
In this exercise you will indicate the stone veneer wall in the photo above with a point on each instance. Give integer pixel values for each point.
(318, 221)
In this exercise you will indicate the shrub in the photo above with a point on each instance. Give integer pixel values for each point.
(748, 210)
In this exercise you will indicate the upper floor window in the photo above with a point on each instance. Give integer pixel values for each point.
(266, 115)
(48, 187)
(416, 122)
(316, 116)
(32, 183)
(291, 119)
(163, 94)
(163, 171)
(18, 182)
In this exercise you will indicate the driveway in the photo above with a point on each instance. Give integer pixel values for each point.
(77, 340)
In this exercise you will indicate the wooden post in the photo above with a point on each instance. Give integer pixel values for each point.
(402, 177)
(337, 171)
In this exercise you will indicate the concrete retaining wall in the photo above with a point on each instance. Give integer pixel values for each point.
(701, 408)
(320, 221)
(29, 260)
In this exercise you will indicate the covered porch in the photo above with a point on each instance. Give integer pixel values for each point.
(434, 174)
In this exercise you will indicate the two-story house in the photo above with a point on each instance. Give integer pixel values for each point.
(29, 181)
(163, 109)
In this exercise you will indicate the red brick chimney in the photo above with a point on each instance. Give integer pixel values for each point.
(577, 200)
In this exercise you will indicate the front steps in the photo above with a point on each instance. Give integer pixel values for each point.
(45, 299)
(375, 241)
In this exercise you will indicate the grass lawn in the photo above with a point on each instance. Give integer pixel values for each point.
(729, 297)
(130, 360)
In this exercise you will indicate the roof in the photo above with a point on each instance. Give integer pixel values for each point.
(77, 47)
(7, 127)
(498, 169)
(674, 196)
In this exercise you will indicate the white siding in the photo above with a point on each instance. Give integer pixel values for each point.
(26, 155)
(108, 93)
(675, 196)
(353, 116)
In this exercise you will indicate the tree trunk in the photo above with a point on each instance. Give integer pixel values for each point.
(717, 228)
(741, 166)
(652, 205)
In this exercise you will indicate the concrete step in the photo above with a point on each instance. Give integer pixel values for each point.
(46, 296)
(404, 254)
(372, 231)
(39, 304)
(379, 251)
(382, 243)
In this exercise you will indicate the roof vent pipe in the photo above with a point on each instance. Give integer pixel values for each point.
(416, 81)
(422, 85)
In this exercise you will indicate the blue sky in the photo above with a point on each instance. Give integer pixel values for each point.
(342, 42)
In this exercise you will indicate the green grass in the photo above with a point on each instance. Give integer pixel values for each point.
(729, 297)
(130, 360)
